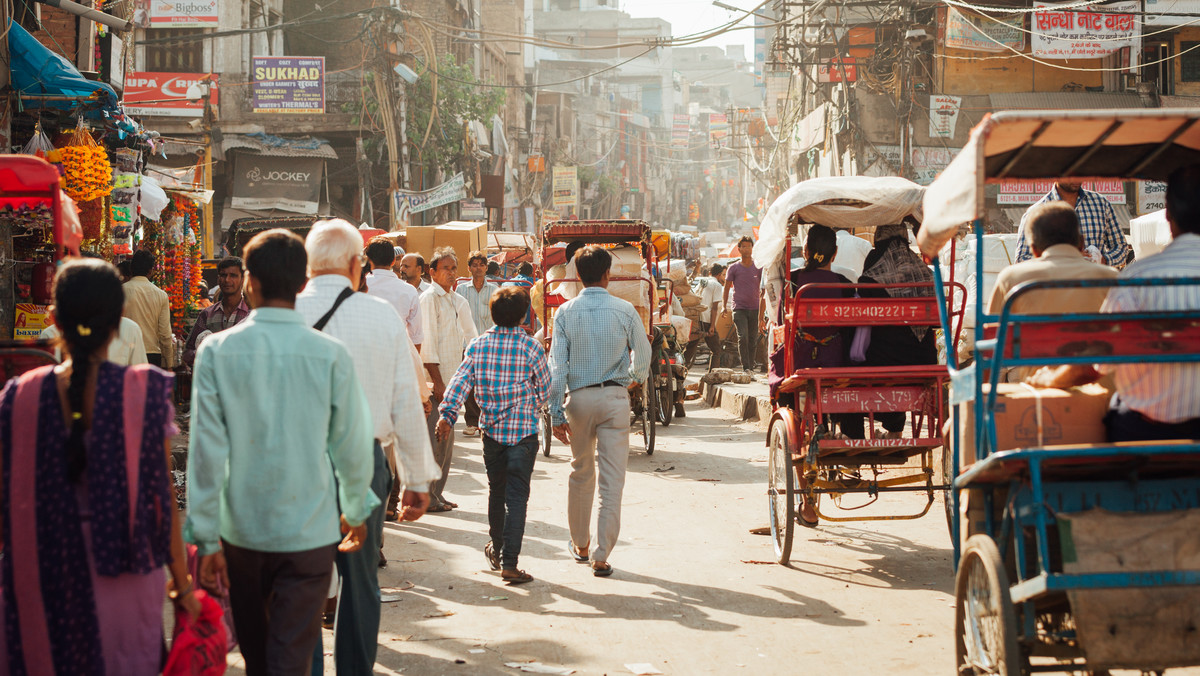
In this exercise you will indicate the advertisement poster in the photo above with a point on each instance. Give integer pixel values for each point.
(288, 84)
(1082, 33)
(1028, 192)
(832, 70)
(681, 131)
(414, 202)
(182, 14)
(165, 94)
(566, 188)
(30, 320)
(1151, 197)
(285, 183)
(943, 115)
(979, 33)
(718, 126)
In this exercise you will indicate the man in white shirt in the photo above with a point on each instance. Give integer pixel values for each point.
(413, 269)
(125, 349)
(711, 289)
(448, 327)
(378, 342)
(383, 283)
(479, 297)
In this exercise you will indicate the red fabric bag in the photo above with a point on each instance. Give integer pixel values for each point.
(199, 647)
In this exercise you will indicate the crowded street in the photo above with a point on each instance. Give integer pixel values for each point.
(694, 591)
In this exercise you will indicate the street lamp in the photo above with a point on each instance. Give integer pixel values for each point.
(718, 3)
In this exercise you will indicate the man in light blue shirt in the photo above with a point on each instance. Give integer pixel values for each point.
(594, 334)
(281, 435)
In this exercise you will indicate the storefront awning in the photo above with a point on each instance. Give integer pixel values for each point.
(47, 80)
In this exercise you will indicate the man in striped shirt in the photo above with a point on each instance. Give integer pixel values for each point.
(505, 369)
(1154, 401)
(1097, 221)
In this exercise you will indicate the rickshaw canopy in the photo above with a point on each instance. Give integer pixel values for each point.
(1079, 144)
(838, 202)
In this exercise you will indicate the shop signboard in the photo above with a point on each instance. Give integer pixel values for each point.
(284, 183)
(288, 84)
(1151, 197)
(979, 33)
(680, 131)
(183, 13)
(472, 210)
(718, 127)
(416, 201)
(943, 115)
(1028, 192)
(566, 188)
(1083, 32)
(165, 94)
(833, 70)
(30, 320)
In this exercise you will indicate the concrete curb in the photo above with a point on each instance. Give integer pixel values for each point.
(749, 403)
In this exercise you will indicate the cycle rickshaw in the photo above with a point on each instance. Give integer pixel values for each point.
(631, 283)
(1077, 557)
(806, 460)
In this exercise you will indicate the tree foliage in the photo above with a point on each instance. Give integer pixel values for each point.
(459, 99)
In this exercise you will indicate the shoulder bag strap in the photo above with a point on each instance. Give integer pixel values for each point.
(346, 293)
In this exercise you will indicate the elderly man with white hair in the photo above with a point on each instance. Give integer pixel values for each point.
(379, 344)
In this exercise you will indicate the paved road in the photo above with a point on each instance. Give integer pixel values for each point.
(694, 592)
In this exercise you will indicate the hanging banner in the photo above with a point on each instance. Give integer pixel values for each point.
(414, 202)
(943, 115)
(165, 94)
(979, 33)
(183, 14)
(288, 84)
(566, 188)
(1154, 7)
(680, 131)
(718, 126)
(1083, 34)
(1028, 192)
(284, 183)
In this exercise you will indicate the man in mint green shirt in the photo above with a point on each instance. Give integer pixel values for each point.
(280, 436)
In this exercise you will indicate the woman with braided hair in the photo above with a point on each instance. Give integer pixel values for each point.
(89, 519)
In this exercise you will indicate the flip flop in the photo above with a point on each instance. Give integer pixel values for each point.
(601, 572)
(575, 554)
(521, 577)
(438, 508)
(493, 558)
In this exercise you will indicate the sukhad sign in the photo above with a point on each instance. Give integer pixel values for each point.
(288, 84)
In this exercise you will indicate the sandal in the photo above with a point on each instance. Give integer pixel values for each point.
(575, 553)
(444, 507)
(601, 569)
(391, 515)
(513, 576)
(493, 558)
(451, 505)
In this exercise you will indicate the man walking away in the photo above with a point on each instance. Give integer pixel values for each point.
(448, 327)
(383, 283)
(594, 334)
(478, 295)
(378, 343)
(505, 370)
(150, 307)
(743, 278)
(280, 437)
(710, 292)
(229, 310)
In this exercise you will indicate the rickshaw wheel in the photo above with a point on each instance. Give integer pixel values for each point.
(781, 493)
(986, 621)
(948, 494)
(666, 395)
(649, 406)
(546, 428)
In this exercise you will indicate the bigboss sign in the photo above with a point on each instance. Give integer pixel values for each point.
(165, 94)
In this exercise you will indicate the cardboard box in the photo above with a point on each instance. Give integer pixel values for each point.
(419, 240)
(724, 324)
(462, 236)
(1028, 417)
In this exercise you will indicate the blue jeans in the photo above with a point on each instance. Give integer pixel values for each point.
(509, 469)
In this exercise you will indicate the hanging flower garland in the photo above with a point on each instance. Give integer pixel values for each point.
(181, 260)
(87, 175)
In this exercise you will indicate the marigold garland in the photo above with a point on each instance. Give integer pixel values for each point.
(87, 173)
(182, 264)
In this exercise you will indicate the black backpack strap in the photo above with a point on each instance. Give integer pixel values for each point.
(346, 293)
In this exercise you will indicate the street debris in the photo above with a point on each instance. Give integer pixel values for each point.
(642, 669)
(448, 613)
(758, 563)
(664, 469)
(539, 668)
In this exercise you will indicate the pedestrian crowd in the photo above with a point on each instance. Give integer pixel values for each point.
(305, 393)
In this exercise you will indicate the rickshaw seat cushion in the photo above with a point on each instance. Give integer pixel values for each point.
(873, 375)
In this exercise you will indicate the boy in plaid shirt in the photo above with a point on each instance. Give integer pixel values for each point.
(507, 370)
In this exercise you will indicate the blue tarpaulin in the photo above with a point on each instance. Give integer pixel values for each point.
(37, 71)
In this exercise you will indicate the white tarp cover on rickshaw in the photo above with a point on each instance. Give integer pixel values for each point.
(835, 201)
(1030, 144)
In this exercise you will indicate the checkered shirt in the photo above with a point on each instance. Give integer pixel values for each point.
(507, 370)
(1097, 222)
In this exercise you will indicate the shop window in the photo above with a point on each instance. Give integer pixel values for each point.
(1189, 61)
(183, 56)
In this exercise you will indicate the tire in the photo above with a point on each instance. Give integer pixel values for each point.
(545, 428)
(666, 394)
(649, 406)
(985, 620)
(781, 493)
(948, 495)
